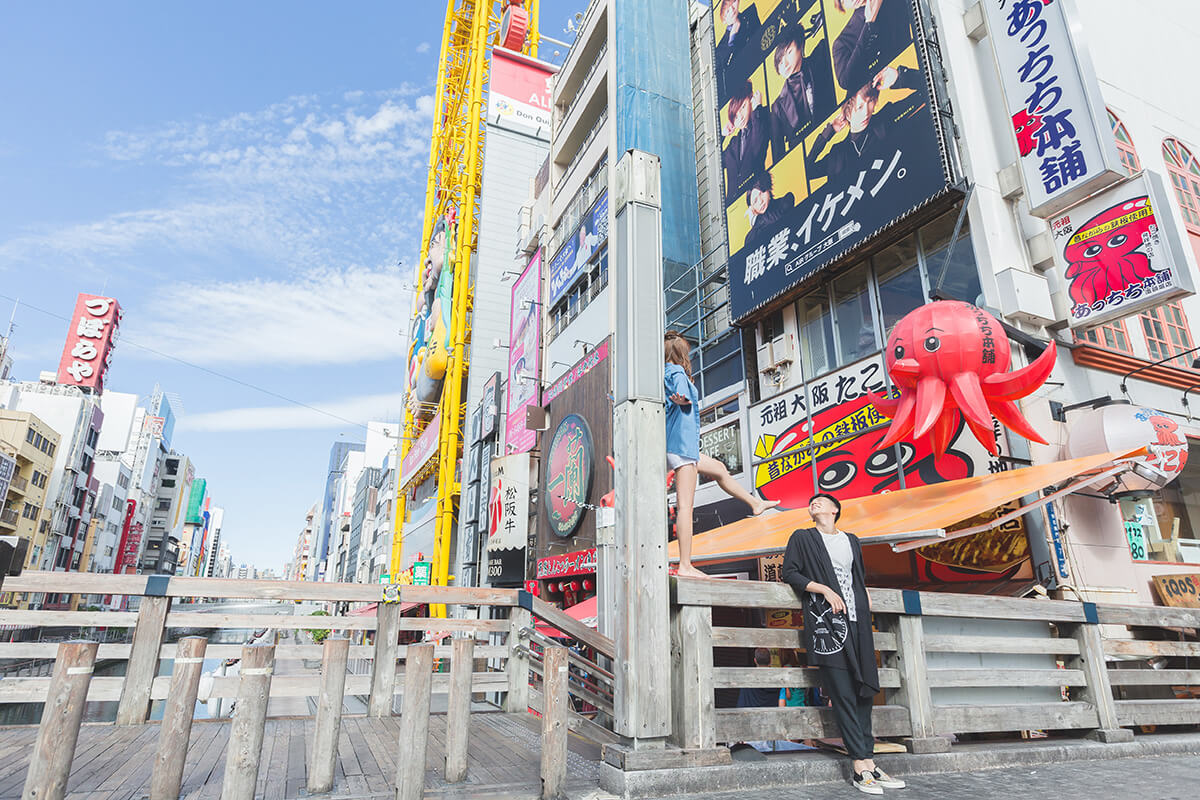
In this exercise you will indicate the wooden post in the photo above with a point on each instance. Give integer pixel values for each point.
(414, 724)
(554, 723)
(249, 721)
(692, 701)
(383, 668)
(1098, 691)
(323, 758)
(914, 692)
(458, 714)
(50, 763)
(134, 707)
(176, 730)
(517, 667)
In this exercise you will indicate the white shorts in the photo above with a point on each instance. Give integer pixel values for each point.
(675, 461)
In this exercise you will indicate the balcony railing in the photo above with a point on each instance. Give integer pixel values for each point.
(9, 517)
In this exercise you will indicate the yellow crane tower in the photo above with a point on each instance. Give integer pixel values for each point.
(452, 187)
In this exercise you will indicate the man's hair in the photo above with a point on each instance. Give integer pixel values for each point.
(739, 97)
(793, 36)
(868, 93)
(836, 503)
(762, 656)
(763, 182)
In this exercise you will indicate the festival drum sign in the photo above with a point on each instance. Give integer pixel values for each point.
(1120, 252)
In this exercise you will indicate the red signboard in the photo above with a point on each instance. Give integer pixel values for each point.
(423, 449)
(131, 540)
(582, 562)
(91, 338)
(519, 90)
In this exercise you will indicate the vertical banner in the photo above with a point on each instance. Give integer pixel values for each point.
(91, 337)
(828, 131)
(524, 362)
(508, 526)
(1065, 146)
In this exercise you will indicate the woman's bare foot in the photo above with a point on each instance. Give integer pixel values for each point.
(762, 505)
(690, 572)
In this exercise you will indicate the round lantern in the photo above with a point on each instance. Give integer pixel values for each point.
(1120, 426)
(588, 585)
(574, 586)
(949, 360)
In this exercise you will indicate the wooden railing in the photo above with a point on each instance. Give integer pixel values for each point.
(516, 655)
(950, 664)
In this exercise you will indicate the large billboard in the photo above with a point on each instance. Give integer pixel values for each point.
(519, 89)
(524, 362)
(1065, 147)
(569, 262)
(91, 337)
(1120, 252)
(829, 134)
(429, 349)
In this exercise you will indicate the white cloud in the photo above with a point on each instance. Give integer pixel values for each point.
(324, 316)
(358, 409)
(423, 47)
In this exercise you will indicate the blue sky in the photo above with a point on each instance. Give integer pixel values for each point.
(243, 178)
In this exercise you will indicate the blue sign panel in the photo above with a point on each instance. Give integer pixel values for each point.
(573, 256)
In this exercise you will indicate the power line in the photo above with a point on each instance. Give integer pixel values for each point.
(212, 372)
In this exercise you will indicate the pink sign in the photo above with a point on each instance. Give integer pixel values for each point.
(90, 341)
(422, 450)
(524, 364)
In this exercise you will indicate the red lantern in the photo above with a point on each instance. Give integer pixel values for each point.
(574, 586)
(950, 361)
(588, 585)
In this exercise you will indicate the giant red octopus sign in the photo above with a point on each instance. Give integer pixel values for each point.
(949, 362)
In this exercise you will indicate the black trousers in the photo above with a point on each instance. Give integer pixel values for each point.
(851, 710)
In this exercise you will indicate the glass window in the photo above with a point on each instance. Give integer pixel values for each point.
(957, 277)
(1112, 336)
(1167, 333)
(1129, 158)
(899, 277)
(815, 324)
(1185, 180)
(852, 309)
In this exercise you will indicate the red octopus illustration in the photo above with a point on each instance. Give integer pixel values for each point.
(1104, 254)
(950, 362)
(1166, 429)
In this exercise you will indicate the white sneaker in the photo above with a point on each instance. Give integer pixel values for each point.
(887, 781)
(865, 782)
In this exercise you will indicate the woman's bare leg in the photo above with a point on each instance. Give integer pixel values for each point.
(685, 500)
(711, 468)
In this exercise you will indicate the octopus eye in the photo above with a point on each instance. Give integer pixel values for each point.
(881, 462)
(837, 475)
(907, 451)
(932, 344)
(1118, 240)
(1093, 251)
(898, 352)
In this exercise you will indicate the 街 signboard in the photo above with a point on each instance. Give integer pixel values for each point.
(1120, 252)
(508, 520)
(571, 259)
(828, 134)
(1065, 146)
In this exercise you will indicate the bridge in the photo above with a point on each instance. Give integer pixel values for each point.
(512, 697)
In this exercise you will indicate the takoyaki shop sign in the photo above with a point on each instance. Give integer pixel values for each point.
(582, 562)
(1120, 252)
(830, 420)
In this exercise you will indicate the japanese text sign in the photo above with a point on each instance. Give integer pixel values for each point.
(569, 473)
(1065, 147)
(508, 517)
(569, 262)
(828, 132)
(1120, 252)
(423, 449)
(519, 90)
(524, 361)
(91, 337)
(582, 562)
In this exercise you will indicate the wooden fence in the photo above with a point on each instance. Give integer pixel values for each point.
(504, 656)
(1079, 643)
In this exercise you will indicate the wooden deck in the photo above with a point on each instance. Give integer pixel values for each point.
(114, 762)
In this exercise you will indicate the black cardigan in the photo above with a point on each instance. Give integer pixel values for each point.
(827, 636)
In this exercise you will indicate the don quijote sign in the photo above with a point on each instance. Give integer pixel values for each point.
(91, 337)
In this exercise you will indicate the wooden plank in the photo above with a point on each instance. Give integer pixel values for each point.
(203, 621)
(970, 606)
(328, 724)
(1150, 649)
(1097, 690)
(176, 729)
(576, 688)
(787, 638)
(50, 649)
(913, 692)
(34, 690)
(58, 733)
(517, 668)
(83, 619)
(578, 723)
(554, 723)
(946, 678)
(1154, 677)
(414, 724)
(572, 627)
(1158, 712)
(292, 652)
(1001, 644)
(756, 724)
(1016, 717)
(75, 582)
(460, 595)
(692, 677)
(1153, 616)
(383, 665)
(244, 753)
(451, 625)
(778, 677)
(143, 660)
(458, 713)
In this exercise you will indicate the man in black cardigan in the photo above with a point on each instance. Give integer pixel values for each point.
(825, 567)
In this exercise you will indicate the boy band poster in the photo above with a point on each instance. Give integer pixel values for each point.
(827, 133)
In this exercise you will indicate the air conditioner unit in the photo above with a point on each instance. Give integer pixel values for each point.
(784, 348)
(766, 356)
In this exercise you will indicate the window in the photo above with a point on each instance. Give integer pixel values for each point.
(856, 335)
(50, 451)
(1167, 333)
(1124, 144)
(30, 511)
(1111, 336)
(1185, 180)
(815, 324)
(899, 276)
(29, 434)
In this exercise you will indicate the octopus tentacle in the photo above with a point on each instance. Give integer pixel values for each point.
(1024, 381)
(884, 405)
(944, 429)
(1010, 416)
(931, 398)
(901, 423)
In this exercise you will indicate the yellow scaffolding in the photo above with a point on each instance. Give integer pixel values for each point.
(453, 181)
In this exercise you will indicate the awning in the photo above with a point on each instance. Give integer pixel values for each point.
(915, 516)
(585, 612)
